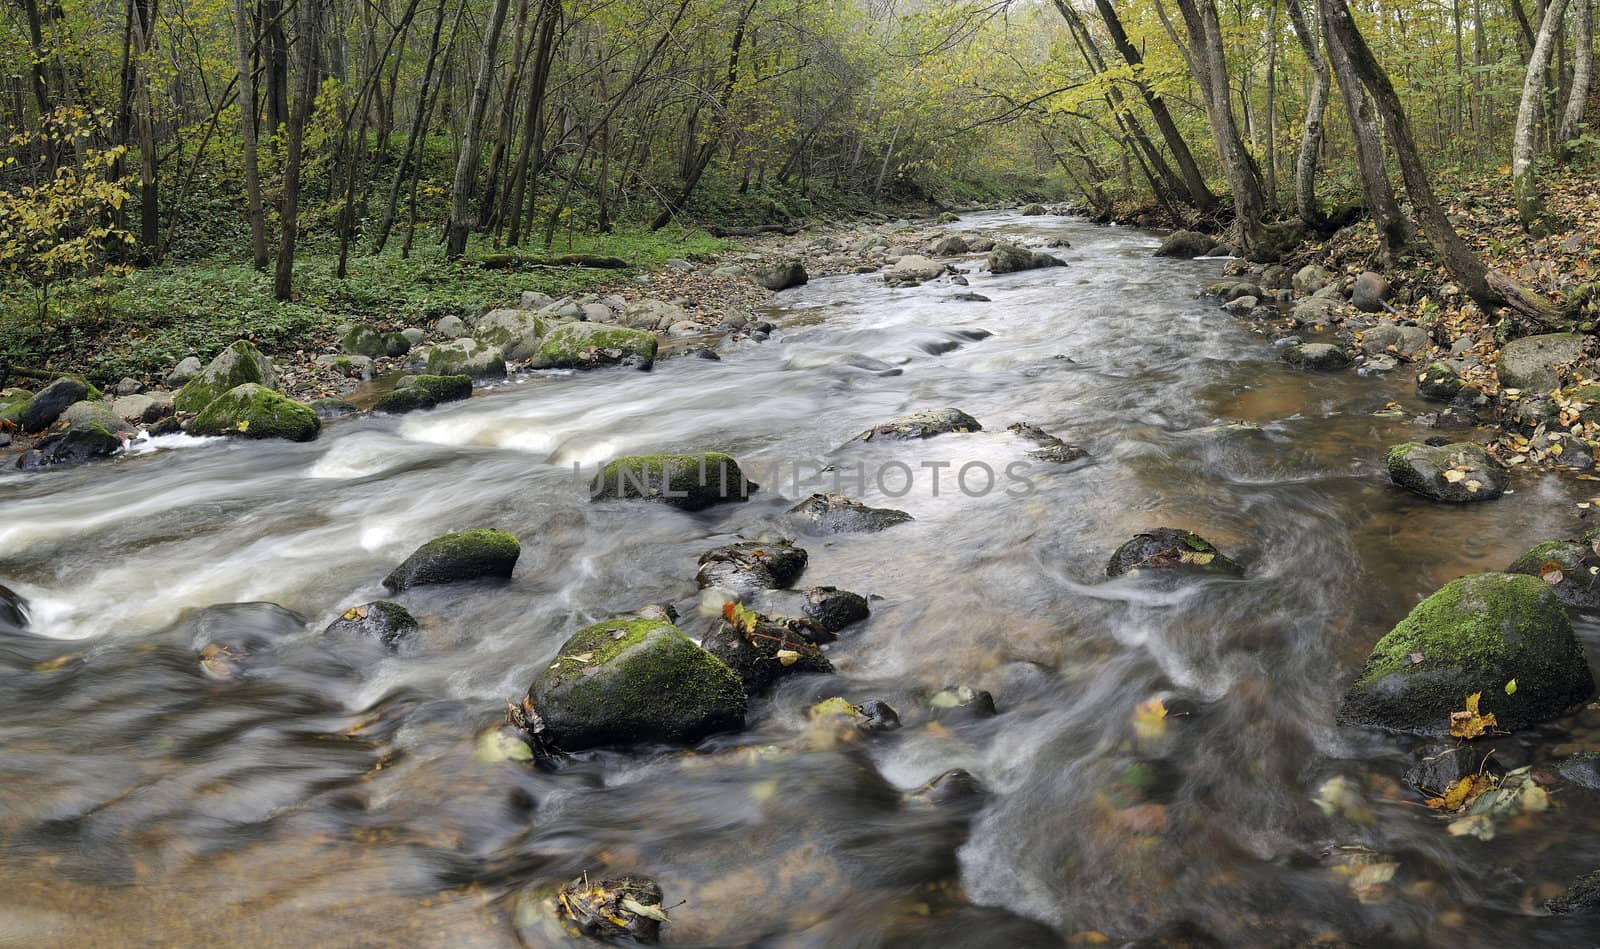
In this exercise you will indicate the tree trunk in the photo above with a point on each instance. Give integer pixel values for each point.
(1488, 288)
(526, 172)
(419, 118)
(708, 148)
(244, 36)
(1205, 38)
(1305, 166)
(1582, 66)
(1381, 204)
(149, 182)
(1272, 108)
(277, 64)
(1196, 183)
(1524, 180)
(467, 161)
(307, 41)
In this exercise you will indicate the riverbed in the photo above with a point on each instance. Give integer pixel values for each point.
(314, 793)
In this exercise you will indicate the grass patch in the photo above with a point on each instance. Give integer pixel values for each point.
(140, 324)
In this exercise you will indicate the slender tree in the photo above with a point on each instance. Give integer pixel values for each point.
(1524, 141)
(307, 42)
(467, 161)
(244, 37)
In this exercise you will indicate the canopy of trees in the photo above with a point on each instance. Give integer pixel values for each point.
(248, 128)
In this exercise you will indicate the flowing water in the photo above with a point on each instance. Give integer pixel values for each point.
(318, 794)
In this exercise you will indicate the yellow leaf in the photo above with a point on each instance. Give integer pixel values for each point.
(788, 656)
(1470, 724)
(1150, 720)
(1462, 792)
(1511, 687)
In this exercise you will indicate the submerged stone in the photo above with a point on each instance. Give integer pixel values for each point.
(629, 680)
(1476, 635)
(1171, 548)
(925, 424)
(477, 554)
(383, 620)
(745, 568)
(837, 514)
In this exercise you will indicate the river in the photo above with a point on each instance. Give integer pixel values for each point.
(319, 794)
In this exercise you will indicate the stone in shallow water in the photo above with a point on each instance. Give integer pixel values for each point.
(1174, 549)
(478, 554)
(1456, 473)
(746, 567)
(688, 482)
(925, 424)
(1474, 636)
(383, 620)
(764, 649)
(630, 680)
(837, 514)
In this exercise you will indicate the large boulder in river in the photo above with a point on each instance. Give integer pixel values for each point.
(782, 276)
(42, 410)
(628, 680)
(1570, 568)
(253, 411)
(745, 568)
(763, 649)
(373, 343)
(589, 345)
(1186, 245)
(952, 246)
(1476, 636)
(1170, 549)
(81, 443)
(924, 424)
(1009, 258)
(477, 554)
(1532, 363)
(235, 366)
(837, 514)
(1455, 473)
(514, 332)
(689, 482)
(912, 270)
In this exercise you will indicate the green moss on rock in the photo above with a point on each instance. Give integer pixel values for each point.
(1475, 634)
(235, 366)
(424, 392)
(589, 345)
(690, 482)
(1456, 474)
(477, 554)
(252, 411)
(1576, 574)
(629, 680)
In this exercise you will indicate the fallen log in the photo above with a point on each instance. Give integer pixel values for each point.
(788, 230)
(516, 261)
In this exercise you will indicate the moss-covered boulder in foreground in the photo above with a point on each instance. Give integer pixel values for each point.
(629, 680)
(476, 554)
(1455, 474)
(690, 482)
(1170, 549)
(238, 364)
(1570, 568)
(588, 345)
(1477, 634)
(252, 411)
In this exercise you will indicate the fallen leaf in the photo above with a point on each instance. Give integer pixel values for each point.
(1511, 687)
(1551, 573)
(1150, 720)
(1470, 724)
(1462, 792)
(788, 656)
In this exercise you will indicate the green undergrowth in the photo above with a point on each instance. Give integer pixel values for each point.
(141, 323)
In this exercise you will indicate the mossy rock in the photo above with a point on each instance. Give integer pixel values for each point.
(1574, 567)
(96, 413)
(763, 649)
(1455, 474)
(12, 402)
(591, 345)
(478, 554)
(629, 680)
(1439, 382)
(926, 424)
(373, 343)
(1185, 245)
(235, 366)
(689, 482)
(253, 411)
(1171, 549)
(424, 392)
(80, 444)
(1477, 634)
(515, 332)
(383, 620)
(464, 357)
